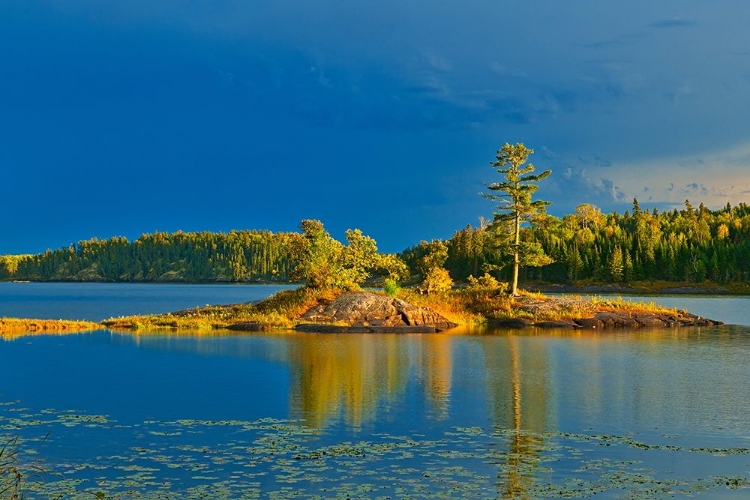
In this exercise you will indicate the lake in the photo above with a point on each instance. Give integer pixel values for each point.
(467, 414)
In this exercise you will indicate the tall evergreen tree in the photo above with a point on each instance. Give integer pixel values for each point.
(515, 205)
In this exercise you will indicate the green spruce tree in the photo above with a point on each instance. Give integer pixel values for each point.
(515, 205)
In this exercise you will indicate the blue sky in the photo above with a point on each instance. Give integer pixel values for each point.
(119, 118)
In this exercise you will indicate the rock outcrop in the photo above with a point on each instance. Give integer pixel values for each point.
(605, 320)
(644, 320)
(364, 312)
(576, 312)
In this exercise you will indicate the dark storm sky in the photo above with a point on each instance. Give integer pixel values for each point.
(118, 118)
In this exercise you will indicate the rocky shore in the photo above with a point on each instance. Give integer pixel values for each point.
(363, 312)
(608, 320)
(331, 311)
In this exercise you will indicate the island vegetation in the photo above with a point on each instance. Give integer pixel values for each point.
(472, 277)
(10, 327)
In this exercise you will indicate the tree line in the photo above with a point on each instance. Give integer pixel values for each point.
(691, 244)
(312, 256)
(522, 240)
(680, 245)
(237, 256)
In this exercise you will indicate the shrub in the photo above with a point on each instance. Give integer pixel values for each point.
(390, 286)
(486, 283)
(438, 280)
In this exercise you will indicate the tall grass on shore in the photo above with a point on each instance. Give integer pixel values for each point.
(17, 326)
(278, 311)
(620, 304)
(452, 305)
(480, 303)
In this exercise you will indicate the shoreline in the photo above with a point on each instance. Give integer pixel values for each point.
(647, 288)
(10, 327)
(373, 312)
(622, 289)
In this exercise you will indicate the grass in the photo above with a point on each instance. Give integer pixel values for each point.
(17, 326)
(453, 306)
(294, 303)
(278, 311)
(199, 318)
(478, 304)
(621, 305)
(282, 311)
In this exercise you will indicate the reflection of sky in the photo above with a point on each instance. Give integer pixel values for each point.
(645, 382)
(494, 404)
(122, 118)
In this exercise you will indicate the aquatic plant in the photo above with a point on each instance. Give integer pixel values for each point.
(11, 477)
(15, 475)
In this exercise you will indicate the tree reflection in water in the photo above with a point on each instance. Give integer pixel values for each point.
(351, 377)
(355, 377)
(516, 374)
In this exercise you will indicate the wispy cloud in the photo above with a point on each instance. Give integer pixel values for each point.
(437, 62)
(713, 177)
(695, 188)
(673, 23)
(680, 93)
(623, 39)
(594, 160)
(587, 177)
(501, 69)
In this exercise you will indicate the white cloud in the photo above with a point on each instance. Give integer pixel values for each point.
(437, 62)
(713, 178)
(503, 70)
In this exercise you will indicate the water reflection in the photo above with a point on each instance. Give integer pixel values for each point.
(497, 401)
(518, 391)
(529, 382)
(353, 377)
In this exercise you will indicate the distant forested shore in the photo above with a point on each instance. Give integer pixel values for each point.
(688, 245)
(237, 256)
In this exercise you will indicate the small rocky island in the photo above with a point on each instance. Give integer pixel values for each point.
(337, 311)
(368, 312)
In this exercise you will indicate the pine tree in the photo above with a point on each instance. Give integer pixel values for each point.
(515, 205)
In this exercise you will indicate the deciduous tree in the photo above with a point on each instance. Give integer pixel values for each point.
(323, 262)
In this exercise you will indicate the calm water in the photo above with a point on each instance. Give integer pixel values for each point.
(98, 301)
(468, 414)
